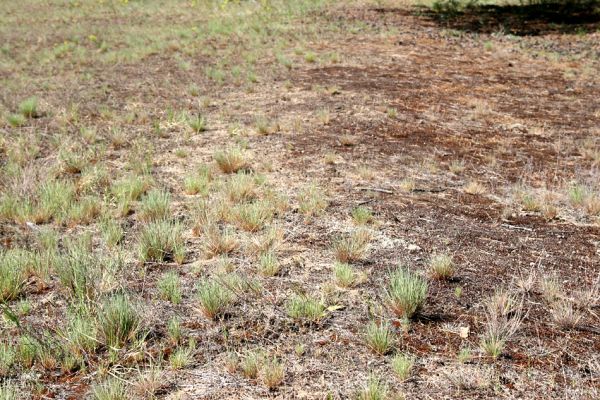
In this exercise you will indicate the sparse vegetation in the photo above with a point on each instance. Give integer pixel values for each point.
(211, 198)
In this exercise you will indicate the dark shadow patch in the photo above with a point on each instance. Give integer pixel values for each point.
(530, 19)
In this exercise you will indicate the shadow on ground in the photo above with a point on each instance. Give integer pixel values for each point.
(527, 19)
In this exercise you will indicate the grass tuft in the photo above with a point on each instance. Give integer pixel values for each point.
(406, 293)
(214, 298)
(379, 337)
(441, 266)
(160, 240)
(119, 320)
(231, 160)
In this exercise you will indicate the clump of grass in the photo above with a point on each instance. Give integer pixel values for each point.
(12, 275)
(312, 201)
(149, 382)
(302, 307)
(441, 266)
(353, 247)
(565, 315)
(408, 185)
(272, 373)
(10, 391)
(29, 107)
(160, 240)
(241, 188)
(376, 389)
(169, 287)
(28, 351)
(577, 194)
(155, 205)
(402, 365)
(379, 337)
(8, 357)
(128, 190)
(84, 211)
(214, 298)
(475, 188)
(79, 270)
(406, 293)
(268, 265)
(197, 123)
(392, 113)
(218, 241)
(252, 217)
(231, 160)
(110, 389)
(503, 314)
(16, 120)
(119, 320)
(81, 333)
(182, 357)
(174, 330)
(362, 215)
(196, 184)
(457, 166)
(112, 231)
(251, 364)
(343, 275)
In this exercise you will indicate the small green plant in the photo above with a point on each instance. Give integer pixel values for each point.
(197, 123)
(441, 266)
(272, 373)
(240, 188)
(376, 389)
(16, 120)
(10, 391)
(577, 194)
(28, 351)
(379, 337)
(214, 298)
(169, 287)
(119, 320)
(344, 275)
(112, 231)
(268, 265)
(402, 365)
(174, 330)
(182, 357)
(251, 363)
(218, 241)
(464, 355)
(8, 357)
(311, 201)
(302, 307)
(231, 161)
(110, 389)
(406, 293)
(253, 217)
(12, 275)
(352, 247)
(391, 113)
(160, 240)
(155, 205)
(196, 184)
(81, 333)
(28, 107)
(362, 215)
